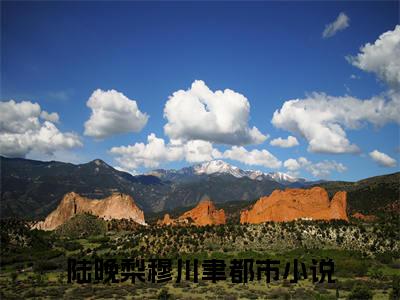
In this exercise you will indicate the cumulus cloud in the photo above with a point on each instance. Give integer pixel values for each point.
(381, 57)
(19, 117)
(321, 169)
(51, 117)
(113, 113)
(253, 157)
(21, 130)
(292, 164)
(324, 168)
(341, 23)
(156, 152)
(383, 159)
(321, 119)
(198, 151)
(149, 155)
(220, 117)
(291, 141)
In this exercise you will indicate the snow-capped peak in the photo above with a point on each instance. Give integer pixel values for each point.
(218, 166)
(281, 177)
(222, 167)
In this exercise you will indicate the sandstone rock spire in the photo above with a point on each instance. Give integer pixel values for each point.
(205, 213)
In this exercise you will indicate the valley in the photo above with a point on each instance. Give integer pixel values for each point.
(366, 257)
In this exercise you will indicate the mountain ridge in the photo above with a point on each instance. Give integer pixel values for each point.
(32, 189)
(222, 167)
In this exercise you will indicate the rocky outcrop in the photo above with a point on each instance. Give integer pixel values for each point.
(205, 213)
(293, 204)
(116, 206)
(366, 218)
(167, 220)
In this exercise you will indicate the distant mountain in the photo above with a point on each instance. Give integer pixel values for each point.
(32, 189)
(219, 167)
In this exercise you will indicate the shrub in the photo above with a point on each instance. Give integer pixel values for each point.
(44, 265)
(360, 291)
(82, 226)
(385, 258)
(72, 246)
(99, 239)
(376, 274)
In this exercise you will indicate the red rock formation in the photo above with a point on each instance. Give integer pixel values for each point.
(205, 213)
(292, 204)
(367, 218)
(167, 220)
(116, 206)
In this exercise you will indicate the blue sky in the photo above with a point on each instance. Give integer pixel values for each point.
(58, 54)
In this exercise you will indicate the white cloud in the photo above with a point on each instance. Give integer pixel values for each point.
(382, 57)
(21, 131)
(149, 155)
(132, 172)
(320, 169)
(321, 118)
(51, 117)
(219, 117)
(324, 168)
(113, 113)
(291, 141)
(382, 159)
(253, 157)
(156, 152)
(341, 23)
(19, 117)
(198, 151)
(291, 164)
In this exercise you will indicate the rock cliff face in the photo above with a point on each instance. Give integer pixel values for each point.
(292, 204)
(116, 206)
(205, 213)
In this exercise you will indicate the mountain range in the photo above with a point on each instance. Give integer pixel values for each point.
(32, 189)
(220, 167)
